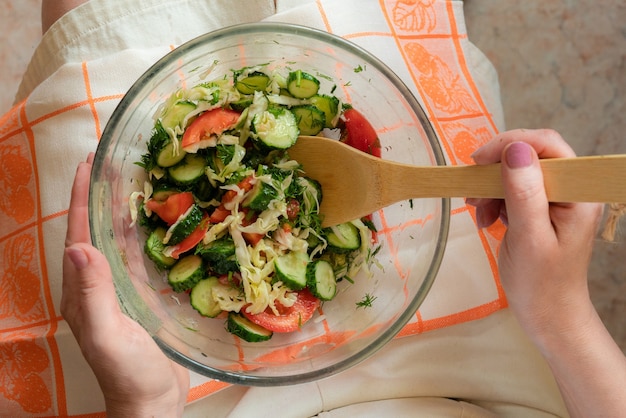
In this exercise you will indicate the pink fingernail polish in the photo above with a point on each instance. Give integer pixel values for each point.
(78, 257)
(518, 155)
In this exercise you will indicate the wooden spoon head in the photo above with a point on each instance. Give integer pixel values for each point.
(346, 175)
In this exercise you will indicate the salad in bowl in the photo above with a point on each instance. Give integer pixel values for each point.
(213, 232)
(231, 218)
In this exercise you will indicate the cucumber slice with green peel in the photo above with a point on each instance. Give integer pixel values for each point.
(291, 269)
(202, 300)
(246, 330)
(327, 104)
(189, 170)
(184, 225)
(302, 85)
(162, 192)
(321, 280)
(186, 273)
(154, 249)
(260, 196)
(344, 237)
(241, 104)
(256, 81)
(275, 128)
(161, 149)
(310, 119)
(175, 115)
(219, 255)
(168, 156)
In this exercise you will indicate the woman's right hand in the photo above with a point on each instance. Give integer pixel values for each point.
(546, 251)
(543, 264)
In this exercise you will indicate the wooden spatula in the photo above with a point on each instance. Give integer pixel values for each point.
(355, 184)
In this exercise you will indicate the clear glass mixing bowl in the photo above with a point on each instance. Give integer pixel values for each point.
(412, 234)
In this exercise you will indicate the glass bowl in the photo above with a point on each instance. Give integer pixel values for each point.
(412, 234)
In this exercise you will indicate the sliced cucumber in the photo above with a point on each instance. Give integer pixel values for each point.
(256, 81)
(310, 119)
(204, 190)
(202, 300)
(163, 191)
(320, 280)
(175, 115)
(168, 156)
(219, 255)
(184, 225)
(291, 269)
(327, 104)
(311, 193)
(154, 249)
(161, 148)
(186, 273)
(246, 330)
(344, 237)
(302, 85)
(275, 128)
(241, 104)
(189, 170)
(260, 196)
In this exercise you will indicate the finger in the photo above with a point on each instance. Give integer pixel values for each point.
(487, 210)
(88, 284)
(78, 216)
(526, 201)
(546, 142)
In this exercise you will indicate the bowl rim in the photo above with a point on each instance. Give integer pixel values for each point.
(335, 40)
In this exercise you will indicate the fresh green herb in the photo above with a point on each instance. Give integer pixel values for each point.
(366, 302)
(324, 76)
(359, 69)
(369, 224)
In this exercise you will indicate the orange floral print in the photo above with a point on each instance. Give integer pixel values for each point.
(21, 363)
(9, 122)
(16, 200)
(466, 140)
(439, 82)
(415, 15)
(20, 293)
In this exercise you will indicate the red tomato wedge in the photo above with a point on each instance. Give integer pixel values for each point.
(219, 214)
(192, 239)
(251, 238)
(211, 122)
(360, 134)
(171, 208)
(291, 318)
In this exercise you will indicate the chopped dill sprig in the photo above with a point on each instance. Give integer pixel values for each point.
(366, 302)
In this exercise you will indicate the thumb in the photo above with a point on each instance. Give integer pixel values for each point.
(88, 289)
(524, 191)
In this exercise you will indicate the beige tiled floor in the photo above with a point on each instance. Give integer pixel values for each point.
(561, 65)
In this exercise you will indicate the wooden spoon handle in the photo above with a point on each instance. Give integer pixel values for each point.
(580, 179)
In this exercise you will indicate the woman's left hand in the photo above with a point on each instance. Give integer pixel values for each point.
(137, 379)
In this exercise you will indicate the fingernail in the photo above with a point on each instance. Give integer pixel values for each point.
(476, 153)
(518, 155)
(481, 222)
(78, 257)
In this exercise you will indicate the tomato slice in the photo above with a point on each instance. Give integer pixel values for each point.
(214, 121)
(360, 134)
(289, 319)
(192, 239)
(219, 214)
(251, 238)
(171, 208)
(293, 208)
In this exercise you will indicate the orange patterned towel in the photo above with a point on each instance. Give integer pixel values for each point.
(43, 138)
